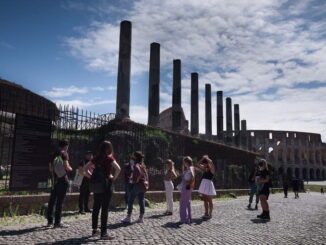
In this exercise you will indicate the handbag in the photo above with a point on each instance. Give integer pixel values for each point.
(78, 179)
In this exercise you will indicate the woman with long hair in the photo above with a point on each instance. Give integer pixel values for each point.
(170, 175)
(206, 188)
(101, 174)
(263, 185)
(186, 187)
(139, 186)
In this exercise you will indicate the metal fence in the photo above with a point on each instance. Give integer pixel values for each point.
(85, 131)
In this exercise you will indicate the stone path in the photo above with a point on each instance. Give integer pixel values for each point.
(294, 221)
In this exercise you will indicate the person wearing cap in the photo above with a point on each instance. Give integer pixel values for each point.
(84, 187)
(263, 184)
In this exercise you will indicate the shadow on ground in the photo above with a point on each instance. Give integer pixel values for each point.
(80, 240)
(259, 221)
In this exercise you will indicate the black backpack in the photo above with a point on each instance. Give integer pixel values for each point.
(99, 181)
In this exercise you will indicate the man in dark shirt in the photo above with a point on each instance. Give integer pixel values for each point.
(84, 187)
(59, 185)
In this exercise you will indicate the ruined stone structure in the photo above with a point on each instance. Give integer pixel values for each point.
(298, 154)
(165, 121)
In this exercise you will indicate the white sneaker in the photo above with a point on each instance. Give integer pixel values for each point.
(140, 220)
(126, 220)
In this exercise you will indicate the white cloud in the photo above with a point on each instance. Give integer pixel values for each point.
(244, 48)
(83, 103)
(65, 92)
(73, 90)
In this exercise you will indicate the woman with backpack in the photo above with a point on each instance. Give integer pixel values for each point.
(139, 185)
(186, 186)
(101, 174)
(206, 188)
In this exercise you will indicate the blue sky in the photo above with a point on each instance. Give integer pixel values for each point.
(268, 55)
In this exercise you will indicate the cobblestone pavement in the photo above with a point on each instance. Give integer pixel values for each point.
(294, 221)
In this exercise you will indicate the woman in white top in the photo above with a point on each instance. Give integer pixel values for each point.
(170, 175)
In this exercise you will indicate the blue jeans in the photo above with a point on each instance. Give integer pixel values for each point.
(128, 187)
(135, 192)
(253, 191)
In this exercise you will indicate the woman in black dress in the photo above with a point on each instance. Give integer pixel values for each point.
(263, 184)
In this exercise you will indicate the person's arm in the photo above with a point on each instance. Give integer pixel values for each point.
(67, 165)
(50, 167)
(81, 170)
(173, 174)
(87, 170)
(117, 170)
(211, 167)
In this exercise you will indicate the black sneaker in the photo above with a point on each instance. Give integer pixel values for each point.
(95, 232)
(81, 212)
(266, 216)
(60, 225)
(88, 211)
(260, 216)
(106, 236)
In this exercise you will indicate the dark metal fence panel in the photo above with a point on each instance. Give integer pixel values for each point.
(86, 130)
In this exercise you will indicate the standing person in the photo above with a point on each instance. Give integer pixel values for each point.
(253, 188)
(170, 175)
(139, 187)
(99, 170)
(206, 188)
(295, 186)
(285, 187)
(84, 187)
(59, 166)
(263, 180)
(322, 191)
(128, 170)
(186, 186)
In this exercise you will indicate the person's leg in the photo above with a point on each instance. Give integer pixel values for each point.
(188, 205)
(53, 198)
(251, 195)
(206, 205)
(62, 191)
(183, 206)
(210, 206)
(132, 195)
(81, 197)
(127, 192)
(96, 209)
(169, 195)
(86, 198)
(105, 210)
(141, 201)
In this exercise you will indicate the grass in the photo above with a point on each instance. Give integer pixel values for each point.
(315, 188)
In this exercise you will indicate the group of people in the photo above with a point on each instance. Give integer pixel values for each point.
(101, 170)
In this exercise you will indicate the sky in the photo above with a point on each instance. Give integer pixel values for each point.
(269, 56)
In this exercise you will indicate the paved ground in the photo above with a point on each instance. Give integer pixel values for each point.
(294, 221)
